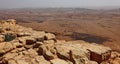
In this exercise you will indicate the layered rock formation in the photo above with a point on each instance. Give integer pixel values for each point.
(21, 45)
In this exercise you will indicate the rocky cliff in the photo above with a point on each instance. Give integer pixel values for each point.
(22, 45)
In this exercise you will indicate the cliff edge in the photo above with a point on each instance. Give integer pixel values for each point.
(22, 45)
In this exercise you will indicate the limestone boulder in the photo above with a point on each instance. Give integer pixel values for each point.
(49, 36)
(50, 44)
(71, 52)
(47, 49)
(43, 50)
(38, 35)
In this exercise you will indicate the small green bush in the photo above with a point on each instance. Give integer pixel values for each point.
(9, 37)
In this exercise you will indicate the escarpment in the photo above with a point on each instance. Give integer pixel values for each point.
(22, 45)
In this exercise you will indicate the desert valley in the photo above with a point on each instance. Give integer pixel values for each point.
(59, 36)
(93, 26)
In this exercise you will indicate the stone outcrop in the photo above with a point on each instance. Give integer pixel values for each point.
(24, 45)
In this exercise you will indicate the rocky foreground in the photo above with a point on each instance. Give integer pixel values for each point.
(21, 45)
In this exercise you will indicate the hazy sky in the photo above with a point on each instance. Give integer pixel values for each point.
(57, 3)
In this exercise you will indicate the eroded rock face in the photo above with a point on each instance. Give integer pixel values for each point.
(38, 47)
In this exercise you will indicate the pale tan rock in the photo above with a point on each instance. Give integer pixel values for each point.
(42, 49)
(10, 56)
(58, 61)
(22, 40)
(28, 42)
(8, 46)
(69, 62)
(53, 51)
(25, 52)
(70, 51)
(116, 61)
(41, 60)
(49, 36)
(115, 54)
(47, 45)
(12, 21)
(32, 52)
(21, 49)
(21, 62)
(93, 49)
(61, 41)
(11, 61)
(18, 57)
(20, 34)
(14, 51)
(2, 38)
(1, 29)
(91, 62)
(50, 44)
(9, 24)
(104, 62)
(1, 47)
(41, 32)
(38, 34)
(40, 43)
(17, 44)
(33, 61)
(48, 55)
